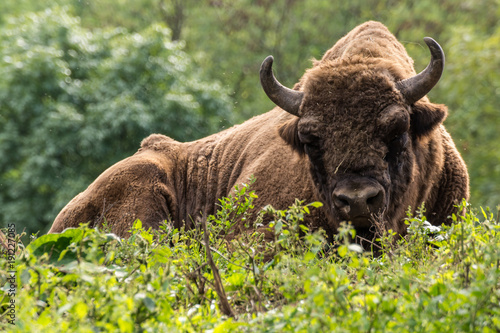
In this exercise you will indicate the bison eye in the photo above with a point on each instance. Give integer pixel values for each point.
(309, 139)
(312, 145)
(396, 146)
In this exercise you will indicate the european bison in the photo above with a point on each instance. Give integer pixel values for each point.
(357, 133)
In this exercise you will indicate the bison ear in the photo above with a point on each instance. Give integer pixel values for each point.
(427, 116)
(290, 133)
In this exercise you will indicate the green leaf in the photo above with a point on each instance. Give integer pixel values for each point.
(55, 244)
(342, 250)
(80, 310)
(149, 303)
(316, 204)
(228, 326)
(309, 256)
(137, 225)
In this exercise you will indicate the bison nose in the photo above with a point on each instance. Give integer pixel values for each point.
(358, 201)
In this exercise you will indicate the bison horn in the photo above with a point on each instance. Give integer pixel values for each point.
(416, 87)
(286, 98)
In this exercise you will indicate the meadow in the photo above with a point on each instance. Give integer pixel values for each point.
(435, 279)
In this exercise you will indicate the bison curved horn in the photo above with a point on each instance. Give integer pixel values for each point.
(416, 87)
(286, 98)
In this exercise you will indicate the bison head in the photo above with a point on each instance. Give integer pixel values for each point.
(359, 121)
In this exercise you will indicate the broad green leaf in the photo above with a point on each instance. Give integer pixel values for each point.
(55, 244)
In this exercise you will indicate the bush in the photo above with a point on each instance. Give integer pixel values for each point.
(75, 101)
(434, 279)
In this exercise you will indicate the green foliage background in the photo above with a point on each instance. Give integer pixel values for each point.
(82, 82)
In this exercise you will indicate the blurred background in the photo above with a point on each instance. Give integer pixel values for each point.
(82, 82)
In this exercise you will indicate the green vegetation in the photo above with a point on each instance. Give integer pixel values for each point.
(82, 82)
(74, 101)
(436, 279)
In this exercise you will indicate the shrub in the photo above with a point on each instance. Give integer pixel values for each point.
(74, 101)
(434, 279)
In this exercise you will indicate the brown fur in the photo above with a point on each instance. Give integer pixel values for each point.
(353, 121)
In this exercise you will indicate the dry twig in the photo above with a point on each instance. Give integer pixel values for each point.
(219, 288)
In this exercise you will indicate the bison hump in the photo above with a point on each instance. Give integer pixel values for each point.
(156, 141)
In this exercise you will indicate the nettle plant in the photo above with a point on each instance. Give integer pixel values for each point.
(275, 276)
(245, 258)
